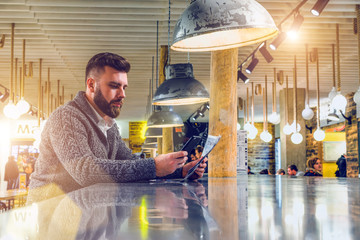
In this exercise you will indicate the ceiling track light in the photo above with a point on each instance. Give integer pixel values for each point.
(265, 53)
(298, 21)
(319, 7)
(252, 65)
(278, 40)
(242, 76)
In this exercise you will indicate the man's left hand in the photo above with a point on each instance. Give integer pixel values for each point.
(199, 172)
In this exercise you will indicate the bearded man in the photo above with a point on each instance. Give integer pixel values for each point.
(81, 145)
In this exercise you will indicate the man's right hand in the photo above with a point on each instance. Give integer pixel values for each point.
(166, 164)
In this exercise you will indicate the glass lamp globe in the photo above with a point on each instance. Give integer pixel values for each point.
(251, 136)
(296, 138)
(247, 127)
(297, 129)
(238, 126)
(357, 96)
(332, 93)
(23, 106)
(11, 111)
(265, 136)
(274, 118)
(319, 134)
(307, 113)
(339, 102)
(287, 129)
(253, 130)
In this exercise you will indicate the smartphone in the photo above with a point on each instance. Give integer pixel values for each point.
(191, 144)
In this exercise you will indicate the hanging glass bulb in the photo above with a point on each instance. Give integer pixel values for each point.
(339, 102)
(293, 129)
(319, 134)
(274, 118)
(296, 138)
(287, 129)
(238, 126)
(23, 106)
(357, 96)
(307, 113)
(265, 136)
(332, 93)
(247, 127)
(253, 131)
(11, 111)
(251, 136)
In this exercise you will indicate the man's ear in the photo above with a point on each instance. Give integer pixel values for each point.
(90, 84)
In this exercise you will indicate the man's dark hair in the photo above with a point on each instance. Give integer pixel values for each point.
(264, 171)
(293, 167)
(100, 60)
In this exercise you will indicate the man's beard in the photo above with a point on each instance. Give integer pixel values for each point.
(105, 106)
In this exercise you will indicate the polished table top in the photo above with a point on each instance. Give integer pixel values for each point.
(246, 207)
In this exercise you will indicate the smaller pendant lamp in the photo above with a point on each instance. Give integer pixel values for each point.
(307, 113)
(253, 130)
(287, 128)
(150, 141)
(149, 146)
(23, 106)
(274, 117)
(209, 25)
(339, 102)
(247, 125)
(332, 93)
(319, 134)
(180, 87)
(164, 117)
(265, 135)
(296, 137)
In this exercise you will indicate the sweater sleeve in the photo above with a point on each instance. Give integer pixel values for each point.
(69, 139)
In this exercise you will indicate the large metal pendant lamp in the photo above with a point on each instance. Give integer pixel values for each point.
(154, 132)
(209, 25)
(180, 87)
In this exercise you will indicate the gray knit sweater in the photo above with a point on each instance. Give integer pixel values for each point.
(74, 153)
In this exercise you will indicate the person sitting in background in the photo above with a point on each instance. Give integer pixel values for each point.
(249, 171)
(198, 151)
(293, 171)
(265, 171)
(192, 155)
(314, 167)
(280, 172)
(11, 173)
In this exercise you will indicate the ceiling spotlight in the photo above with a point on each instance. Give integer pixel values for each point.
(266, 54)
(319, 7)
(4, 96)
(207, 106)
(242, 76)
(252, 65)
(195, 117)
(276, 43)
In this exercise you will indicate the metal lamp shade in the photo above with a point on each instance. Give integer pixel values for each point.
(209, 25)
(153, 132)
(180, 87)
(164, 118)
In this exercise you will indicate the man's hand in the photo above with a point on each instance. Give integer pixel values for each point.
(166, 164)
(199, 172)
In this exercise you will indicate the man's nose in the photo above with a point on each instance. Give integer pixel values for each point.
(121, 93)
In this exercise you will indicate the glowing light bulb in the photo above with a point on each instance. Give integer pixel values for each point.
(265, 136)
(293, 129)
(287, 129)
(339, 102)
(293, 35)
(307, 113)
(238, 126)
(274, 118)
(319, 134)
(23, 106)
(247, 127)
(357, 96)
(296, 138)
(11, 111)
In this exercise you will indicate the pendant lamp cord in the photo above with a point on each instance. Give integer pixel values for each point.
(338, 58)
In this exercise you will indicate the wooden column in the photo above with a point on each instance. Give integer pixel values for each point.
(160, 144)
(222, 116)
(167, 141)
